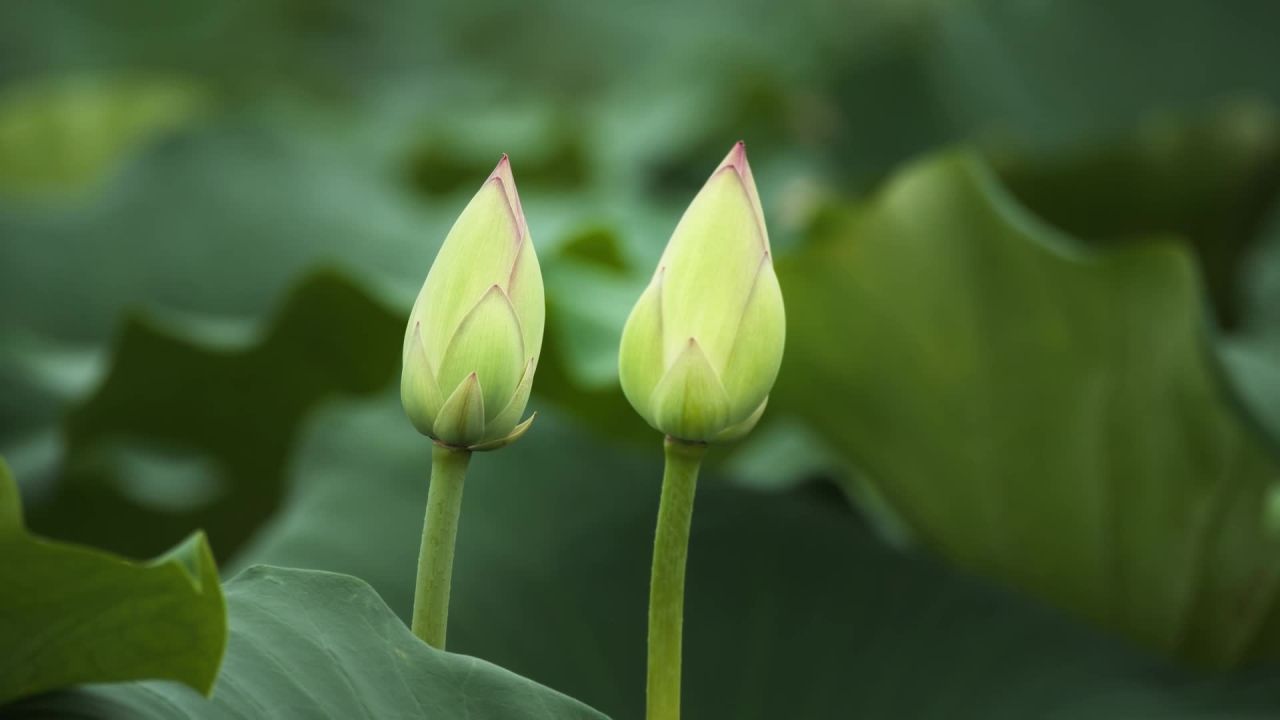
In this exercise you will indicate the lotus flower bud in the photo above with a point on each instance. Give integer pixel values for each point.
(475, 331)
(702, 346)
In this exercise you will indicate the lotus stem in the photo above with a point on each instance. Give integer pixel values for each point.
(439, 531)
(666, 588)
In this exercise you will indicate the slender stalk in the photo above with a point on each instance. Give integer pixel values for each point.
(666, 585)
(439, 530)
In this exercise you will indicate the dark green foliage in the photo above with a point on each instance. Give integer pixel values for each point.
(1058, 376)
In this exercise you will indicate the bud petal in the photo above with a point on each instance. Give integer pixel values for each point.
(524, 281)
(689, 402)
(640, 359)
(736, 431)
(757, 348)
(737, 159)
(502, 442)
(502, 173)
(711, 264)
(461, 419)
(419, 393)
(505, 421)
(524, 288)
(487, 344)
(478, 253)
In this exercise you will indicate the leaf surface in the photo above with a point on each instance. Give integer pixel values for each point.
(307, 644)
(1041, 413)
(71, 614)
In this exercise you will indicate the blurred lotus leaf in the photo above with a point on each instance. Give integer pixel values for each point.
(66, 135)
(238, 409)
(1038, 411)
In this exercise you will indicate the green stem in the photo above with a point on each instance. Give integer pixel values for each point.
(439, 530)
(666, 585)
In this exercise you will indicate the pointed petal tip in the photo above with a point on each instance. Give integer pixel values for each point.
(739, 171)
(461, 418)
(501, 292)
(506, 183)
(502, 442)
(736, 432)
(503, 168)
(725, 169)
(659, 276)
(736, 159)
(413, 341)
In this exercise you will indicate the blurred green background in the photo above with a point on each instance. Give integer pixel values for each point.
(1023, 459)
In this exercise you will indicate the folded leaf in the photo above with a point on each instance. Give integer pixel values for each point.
(71, 614)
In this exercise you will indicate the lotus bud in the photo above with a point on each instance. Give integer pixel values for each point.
(703, 344)
(475, 331)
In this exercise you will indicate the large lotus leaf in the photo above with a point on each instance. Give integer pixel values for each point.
(314, 645)
(1039, 412)
(71, 614)
(793, 610)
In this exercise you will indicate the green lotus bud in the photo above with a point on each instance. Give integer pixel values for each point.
(472, 344)
(703, 344)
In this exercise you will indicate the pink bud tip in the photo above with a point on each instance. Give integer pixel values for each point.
(507, 182)
(736, 159)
